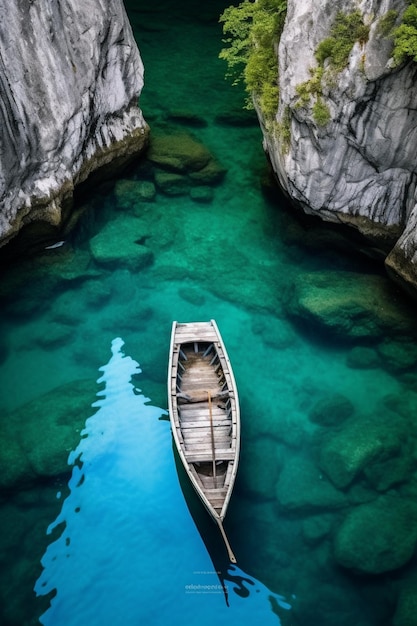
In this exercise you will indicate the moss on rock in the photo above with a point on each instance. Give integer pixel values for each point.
(377, 537)
(398, 356)
(349, 305)
(130, 193)
(178, 152)
(171, 183)
(331, 410)
(374, 447)
(38, 436)
(118, 244)
(181, 162)
(301, 487)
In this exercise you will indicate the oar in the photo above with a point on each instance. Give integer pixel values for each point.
(226, 541)
(218, 520)
(213, 452)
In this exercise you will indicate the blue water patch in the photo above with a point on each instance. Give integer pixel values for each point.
(129, 551)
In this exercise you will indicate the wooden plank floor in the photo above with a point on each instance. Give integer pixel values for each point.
(199, 378)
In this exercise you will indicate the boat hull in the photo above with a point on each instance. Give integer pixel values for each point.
(204, 412)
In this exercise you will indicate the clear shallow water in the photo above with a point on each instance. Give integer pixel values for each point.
(136, 543)
(128, 534)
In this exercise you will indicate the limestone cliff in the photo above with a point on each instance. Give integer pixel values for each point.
(349, 152)
(70, 77)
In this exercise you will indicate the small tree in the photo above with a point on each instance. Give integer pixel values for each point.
(405, 36)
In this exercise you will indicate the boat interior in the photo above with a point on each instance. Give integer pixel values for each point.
(205, 416)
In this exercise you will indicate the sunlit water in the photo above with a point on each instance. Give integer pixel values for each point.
(128, 534)
(117, 537)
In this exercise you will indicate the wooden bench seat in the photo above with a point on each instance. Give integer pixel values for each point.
(204, 457)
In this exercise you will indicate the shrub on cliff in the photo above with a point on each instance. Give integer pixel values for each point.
(405, 36)
(346, 30)
(331, 54)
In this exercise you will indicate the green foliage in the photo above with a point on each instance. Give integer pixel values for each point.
(283, 130)
(335, 49)
(325, 50)
(237, 22)
(387, 23)
(253, 29)
(312, 87)
(321, 112)
(268, 100)
(346, 30)
(405, 36)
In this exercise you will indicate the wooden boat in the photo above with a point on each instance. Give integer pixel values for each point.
(204, 414)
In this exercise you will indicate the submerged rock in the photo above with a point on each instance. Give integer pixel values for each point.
(377, 537)
(96, 294)
(187, 118)
(349, 305)
(70, 84)
(398, 356)
(27, 287)
(119, 244)
(211, 174)
(275, 333)
(171, 184)
(181, 163)
(236, 118)
(301, 487)
(4, 348)
(331, 410)
(317, 527)
(178, 152)
(130, 193)
(375, 446)
(406, 610)
(38, 436)
(361, 357)
(57, 335)
(192, 295)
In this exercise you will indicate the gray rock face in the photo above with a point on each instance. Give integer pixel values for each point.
(70, 76)
(360, 167)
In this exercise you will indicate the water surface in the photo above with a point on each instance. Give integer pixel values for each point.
(118, 537)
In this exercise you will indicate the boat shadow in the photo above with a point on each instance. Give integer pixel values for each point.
(231, 578)
(207, 528)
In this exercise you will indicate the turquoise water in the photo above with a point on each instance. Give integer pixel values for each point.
(144, 543)
(322, 348)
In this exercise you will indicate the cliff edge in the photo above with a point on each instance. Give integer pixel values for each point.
(70, 77)
(343, 142)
